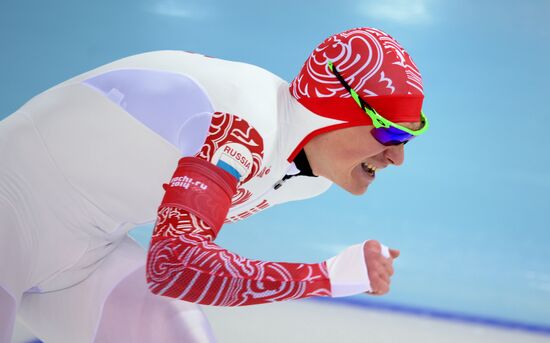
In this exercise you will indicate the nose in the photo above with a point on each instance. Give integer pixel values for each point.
(395, 154)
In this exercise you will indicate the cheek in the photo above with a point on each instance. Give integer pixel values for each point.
(348, 165)
(359, 154)
(364, 147)
(338, 164)
(343, 156)
(344, 159)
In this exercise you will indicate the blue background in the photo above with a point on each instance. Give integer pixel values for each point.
(469, 210)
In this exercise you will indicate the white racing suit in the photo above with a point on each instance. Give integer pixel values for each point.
(85, 161)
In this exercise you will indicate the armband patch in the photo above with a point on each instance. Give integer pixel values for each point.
(234, 158)
(233, 145)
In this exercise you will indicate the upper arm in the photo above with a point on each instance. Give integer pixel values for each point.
(233, 145)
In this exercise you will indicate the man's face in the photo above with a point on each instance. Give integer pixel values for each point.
(349, 157)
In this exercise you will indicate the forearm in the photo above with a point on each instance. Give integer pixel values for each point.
(185, 263)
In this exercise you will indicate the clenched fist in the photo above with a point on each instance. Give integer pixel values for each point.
(365, 267)
(380, 267)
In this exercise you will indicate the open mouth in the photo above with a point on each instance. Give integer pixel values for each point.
(369, 169)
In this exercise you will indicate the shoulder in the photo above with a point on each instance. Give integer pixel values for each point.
(182, 62)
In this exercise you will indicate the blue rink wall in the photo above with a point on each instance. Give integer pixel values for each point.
(469, 209)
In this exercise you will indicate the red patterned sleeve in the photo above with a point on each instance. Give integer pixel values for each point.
(185, 263)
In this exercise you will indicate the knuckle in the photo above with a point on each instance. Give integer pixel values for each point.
(373, 245)
(373, 276)
(375, 268)
(372, 259)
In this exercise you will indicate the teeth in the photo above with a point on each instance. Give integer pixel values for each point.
(370, 167)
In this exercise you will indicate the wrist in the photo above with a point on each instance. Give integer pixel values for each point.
(348, 272)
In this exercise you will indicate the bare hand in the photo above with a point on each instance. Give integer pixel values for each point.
(379, 267)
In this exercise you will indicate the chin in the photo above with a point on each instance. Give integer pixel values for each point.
(356, 190)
